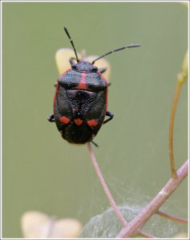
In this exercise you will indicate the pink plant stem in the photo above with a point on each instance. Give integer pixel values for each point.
(145, 235)
(105, 187)
(168, 216)
(138, 222)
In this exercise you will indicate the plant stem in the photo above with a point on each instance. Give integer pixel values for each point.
(171, 129)
(177, 219)
(138, 222)
(145, 235)
(181, 78)
(105, 187)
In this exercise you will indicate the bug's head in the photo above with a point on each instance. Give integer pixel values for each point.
(84, 66)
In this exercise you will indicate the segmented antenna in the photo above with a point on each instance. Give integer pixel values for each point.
(116, 50)
(71, 41)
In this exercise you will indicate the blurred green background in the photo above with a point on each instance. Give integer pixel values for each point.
(43, 172)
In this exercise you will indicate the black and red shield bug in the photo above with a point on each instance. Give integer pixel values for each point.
(80, 101)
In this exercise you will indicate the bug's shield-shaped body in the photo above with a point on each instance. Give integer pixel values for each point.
(80, 105)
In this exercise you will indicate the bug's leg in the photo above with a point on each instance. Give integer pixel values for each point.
(102, 70)
(55, 84)
(51, 118)
(95, 144)
(110, 115)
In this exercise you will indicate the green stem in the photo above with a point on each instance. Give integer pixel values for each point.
(171, 129)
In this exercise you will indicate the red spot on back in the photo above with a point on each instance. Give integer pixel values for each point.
(78, 121)
(92, 123)
(82, 83)
(64, 120)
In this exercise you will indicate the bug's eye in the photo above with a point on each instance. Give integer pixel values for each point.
(94, 69)
(74, 66)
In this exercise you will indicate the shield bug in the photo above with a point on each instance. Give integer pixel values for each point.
(80, 100)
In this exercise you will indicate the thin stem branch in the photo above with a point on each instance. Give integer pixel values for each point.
(105, 187)
(144, 234)
(181, 78)
(138, 222)
(173, 218)
(171, 129)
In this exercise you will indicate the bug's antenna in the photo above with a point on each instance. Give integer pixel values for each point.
(116, 50)
(71, 43)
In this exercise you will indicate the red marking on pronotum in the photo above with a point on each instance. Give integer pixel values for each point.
(64, 119)
(82, 83)
(78, 121)
(92, 123)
